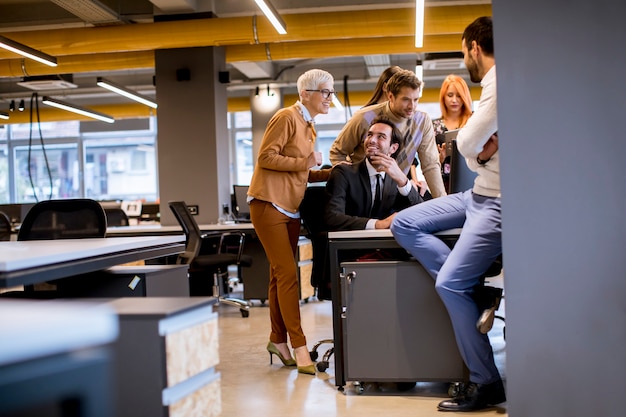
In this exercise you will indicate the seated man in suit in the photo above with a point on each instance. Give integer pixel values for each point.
(352, 190)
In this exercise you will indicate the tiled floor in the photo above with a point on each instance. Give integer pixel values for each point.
(253, 387)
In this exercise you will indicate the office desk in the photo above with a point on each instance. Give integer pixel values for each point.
(55, 357)
(255, 278)
(31, 262)
(389, 325)
(157, 229)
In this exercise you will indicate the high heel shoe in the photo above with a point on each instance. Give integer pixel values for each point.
(308, 369)
(273, 350)
(305, 369)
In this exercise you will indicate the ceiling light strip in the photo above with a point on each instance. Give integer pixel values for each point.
(76, 109)
(270, 12)
(4, 115)
(116, 88)
(27, 51)
(419, 23)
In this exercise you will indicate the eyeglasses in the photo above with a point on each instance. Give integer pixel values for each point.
(325, 93)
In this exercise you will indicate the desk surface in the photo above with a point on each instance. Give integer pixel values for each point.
(157, 229)
(33, 329)
(380, 233)
(29, 262)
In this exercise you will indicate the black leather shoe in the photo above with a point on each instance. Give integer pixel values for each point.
(475, 397)
(488, 301)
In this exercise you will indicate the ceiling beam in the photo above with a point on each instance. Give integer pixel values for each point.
(74, 64)
(319, 27)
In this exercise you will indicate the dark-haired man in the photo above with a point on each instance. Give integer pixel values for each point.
(458, 271)
(414, 126)
(367, 194)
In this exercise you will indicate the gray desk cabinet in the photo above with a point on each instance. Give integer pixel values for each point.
(394, 325)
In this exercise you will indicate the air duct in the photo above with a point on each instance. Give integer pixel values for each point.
(91, 11)
(48, 82)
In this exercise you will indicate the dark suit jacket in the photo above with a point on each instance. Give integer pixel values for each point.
(349, 197)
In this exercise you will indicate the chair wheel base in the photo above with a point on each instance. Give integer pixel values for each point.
(244, 306)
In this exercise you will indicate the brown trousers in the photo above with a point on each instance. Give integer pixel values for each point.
(279, 236)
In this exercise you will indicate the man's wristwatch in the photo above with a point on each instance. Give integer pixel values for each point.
(482, 161)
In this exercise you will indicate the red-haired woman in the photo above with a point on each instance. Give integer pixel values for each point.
(456, 108)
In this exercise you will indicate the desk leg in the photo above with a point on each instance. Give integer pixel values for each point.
(335, 281)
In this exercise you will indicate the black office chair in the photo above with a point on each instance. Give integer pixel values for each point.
(64, 219)
(60, 219)
(312, 211)
(227, 250)
(116, 216)
(5, 227)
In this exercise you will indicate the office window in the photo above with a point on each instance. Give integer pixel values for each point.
(243, 119)
(48, 130)
(46, 173)
(120, 168)
(4, 174)
(243, 153)
(240, 134)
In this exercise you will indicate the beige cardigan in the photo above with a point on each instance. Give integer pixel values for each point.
(281, 173)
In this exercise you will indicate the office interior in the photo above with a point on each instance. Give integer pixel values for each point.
(563, 223)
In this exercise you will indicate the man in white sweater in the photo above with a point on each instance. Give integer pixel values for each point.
(458, 272)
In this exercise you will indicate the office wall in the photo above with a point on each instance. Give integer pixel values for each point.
(192, 131)
(560, 68)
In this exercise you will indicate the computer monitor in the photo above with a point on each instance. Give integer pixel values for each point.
(16, 212)
(461, 177)
(241, 209)
(151, 212)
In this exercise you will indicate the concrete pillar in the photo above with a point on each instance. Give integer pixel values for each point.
(192, 131)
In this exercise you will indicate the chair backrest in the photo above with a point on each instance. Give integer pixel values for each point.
(232, 242)
(227, 242)
(312, 210)
(5, 227)
(193, 236)
(116, 216)
(64, 219)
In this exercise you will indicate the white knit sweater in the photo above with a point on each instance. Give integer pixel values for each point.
(473, 136)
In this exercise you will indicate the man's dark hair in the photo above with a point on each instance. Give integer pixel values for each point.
(403, 78)
(481, 31)
(395, 133)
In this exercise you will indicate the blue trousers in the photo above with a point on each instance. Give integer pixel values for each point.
(457, 271)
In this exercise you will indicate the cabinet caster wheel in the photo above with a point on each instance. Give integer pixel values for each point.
(455, 389)
(322, 366)
(358, 387)
(244, 312)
